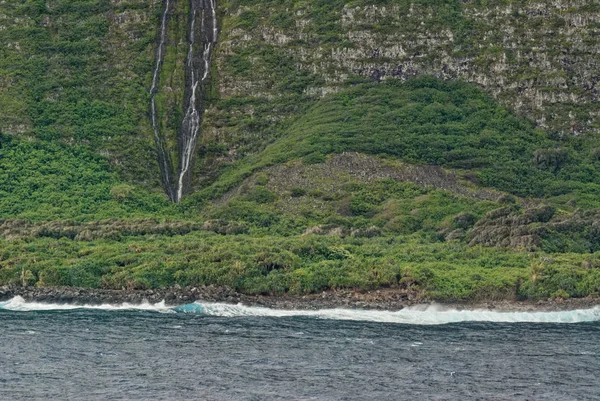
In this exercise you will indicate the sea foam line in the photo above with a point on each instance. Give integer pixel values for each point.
(18, 304)
(420, 315)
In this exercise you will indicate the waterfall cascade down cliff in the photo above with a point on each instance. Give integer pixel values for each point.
(196, 75)
(197, 71)
(163, 156)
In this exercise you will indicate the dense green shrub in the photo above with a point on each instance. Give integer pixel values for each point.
(464, 220)
(274, 264)
(261, 195)
(42, 180)
(297, 192)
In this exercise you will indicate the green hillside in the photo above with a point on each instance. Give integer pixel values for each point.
(450, 124)
(317, 167)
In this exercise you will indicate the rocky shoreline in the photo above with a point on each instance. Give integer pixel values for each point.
(385, 299)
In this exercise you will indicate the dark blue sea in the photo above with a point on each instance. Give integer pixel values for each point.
(221, 352)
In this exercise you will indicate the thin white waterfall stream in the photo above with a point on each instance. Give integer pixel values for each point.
(162, 154)
(196, 76)
(192, 119)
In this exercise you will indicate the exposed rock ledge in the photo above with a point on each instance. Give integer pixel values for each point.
(385, 299)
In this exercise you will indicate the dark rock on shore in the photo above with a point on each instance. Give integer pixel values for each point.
(84, 296)
(389, 299)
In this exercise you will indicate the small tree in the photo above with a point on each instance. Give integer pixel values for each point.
(550, 159)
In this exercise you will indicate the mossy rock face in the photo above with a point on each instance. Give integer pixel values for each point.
(268, 75)
(538, 228)
(62, 81)
(486, 43)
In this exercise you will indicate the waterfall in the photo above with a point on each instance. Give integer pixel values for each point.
(196, 76)
(163, 156)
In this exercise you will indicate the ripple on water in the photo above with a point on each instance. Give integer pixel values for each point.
(136, 355)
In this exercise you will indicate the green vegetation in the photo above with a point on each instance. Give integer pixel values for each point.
(298, 218)
(75, 71)
(451, 124)
(42, 180)
(424, 185)
(276, 265)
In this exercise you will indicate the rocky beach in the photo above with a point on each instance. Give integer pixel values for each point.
(384, 299)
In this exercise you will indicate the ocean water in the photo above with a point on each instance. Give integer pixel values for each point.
(227, 352)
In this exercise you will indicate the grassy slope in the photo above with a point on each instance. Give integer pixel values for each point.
(451, 124)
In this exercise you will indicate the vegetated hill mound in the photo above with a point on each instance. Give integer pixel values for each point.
(352, 194)
(450, 124)
(277, 57)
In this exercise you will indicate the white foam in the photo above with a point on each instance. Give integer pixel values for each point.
(430, 315)
(421, 315)
(18, 304)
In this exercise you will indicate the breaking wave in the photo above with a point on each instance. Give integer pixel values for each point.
(423, 315)
(420, 315)
(18, 304)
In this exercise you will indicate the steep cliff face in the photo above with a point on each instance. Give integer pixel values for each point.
(539, 58)
(81, 72)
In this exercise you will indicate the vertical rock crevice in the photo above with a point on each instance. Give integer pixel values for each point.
(164, 161)
(202, 35)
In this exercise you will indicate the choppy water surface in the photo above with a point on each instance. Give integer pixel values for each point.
(221, 352)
